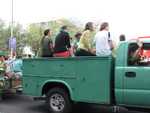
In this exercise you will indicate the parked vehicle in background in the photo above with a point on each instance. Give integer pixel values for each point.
(11, 76)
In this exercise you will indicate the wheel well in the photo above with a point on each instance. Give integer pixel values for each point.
(49, 86)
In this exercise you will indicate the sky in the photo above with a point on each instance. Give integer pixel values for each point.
(130, 17)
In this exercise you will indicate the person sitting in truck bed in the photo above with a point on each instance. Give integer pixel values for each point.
(76, 42)
(47, 44)
(104, 45)
(85, 43)
(62, 43)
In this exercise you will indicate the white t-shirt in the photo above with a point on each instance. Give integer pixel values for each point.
(102, 44)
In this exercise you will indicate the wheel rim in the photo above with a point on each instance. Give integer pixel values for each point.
(57, 102)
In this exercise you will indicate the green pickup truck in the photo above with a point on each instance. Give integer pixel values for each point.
(95, 80)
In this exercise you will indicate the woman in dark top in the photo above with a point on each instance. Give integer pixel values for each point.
(47, 44)
(62, 43)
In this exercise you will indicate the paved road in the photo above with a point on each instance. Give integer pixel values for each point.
(25, 104)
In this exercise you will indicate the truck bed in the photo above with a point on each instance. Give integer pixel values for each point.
(88, 78)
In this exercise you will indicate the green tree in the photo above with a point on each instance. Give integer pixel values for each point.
(35, 31)
(33, 34)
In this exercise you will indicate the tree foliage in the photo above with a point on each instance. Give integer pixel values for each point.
(34, 32)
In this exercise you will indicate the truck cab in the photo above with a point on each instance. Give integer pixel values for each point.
(132, 80)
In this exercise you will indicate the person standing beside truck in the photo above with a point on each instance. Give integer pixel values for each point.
(47, 44)
(103, 41)
(85, 43)
(62, 43)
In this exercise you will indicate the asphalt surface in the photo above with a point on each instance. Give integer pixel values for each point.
(25, 104)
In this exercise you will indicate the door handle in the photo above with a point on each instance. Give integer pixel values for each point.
(130, 74)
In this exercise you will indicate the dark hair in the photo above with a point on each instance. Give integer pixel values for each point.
(103, 26)
(64, 27)
(122, 37)
(78, 34)
(89, 26)
(45, 34)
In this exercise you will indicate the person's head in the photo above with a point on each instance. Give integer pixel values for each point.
(104, 26)
(139, 43)
(89, 26)
(47, 32)
(78, 35)
(64, 28)
(29, 56)
(122, 37)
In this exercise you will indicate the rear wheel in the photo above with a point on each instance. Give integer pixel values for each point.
(58, 101)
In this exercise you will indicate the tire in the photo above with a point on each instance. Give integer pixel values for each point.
(58, 101)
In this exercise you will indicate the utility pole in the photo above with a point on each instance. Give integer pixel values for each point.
(12, 19)
(12, 28)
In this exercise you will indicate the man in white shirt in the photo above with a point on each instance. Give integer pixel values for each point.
(103, 40)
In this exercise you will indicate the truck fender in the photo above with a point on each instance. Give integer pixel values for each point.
(59, 82)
